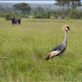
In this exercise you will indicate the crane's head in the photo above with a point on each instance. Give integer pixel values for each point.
(66, 28)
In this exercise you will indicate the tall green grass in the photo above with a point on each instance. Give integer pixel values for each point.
(23, 49)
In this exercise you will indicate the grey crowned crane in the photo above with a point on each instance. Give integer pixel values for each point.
(58, 50)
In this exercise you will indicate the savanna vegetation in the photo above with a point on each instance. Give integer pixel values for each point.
(23, 49)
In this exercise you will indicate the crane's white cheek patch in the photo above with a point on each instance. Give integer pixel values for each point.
(54, 53)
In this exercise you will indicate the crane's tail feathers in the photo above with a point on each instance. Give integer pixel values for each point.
(47, 57)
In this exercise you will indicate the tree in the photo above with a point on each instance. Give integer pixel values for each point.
(24, 7)
(38, 12)
(69, 3)
(1, 8)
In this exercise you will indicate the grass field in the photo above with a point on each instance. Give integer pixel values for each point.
(23, 49)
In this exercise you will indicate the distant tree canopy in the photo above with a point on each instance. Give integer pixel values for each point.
(24, 7)
(69, 3)
(1, 7)
(39, 12)
(66, 10)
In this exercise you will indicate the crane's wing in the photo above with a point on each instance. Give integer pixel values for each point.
(56, 51)
(52, 54)
(59, 48)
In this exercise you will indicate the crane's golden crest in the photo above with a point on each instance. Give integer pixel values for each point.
(66, 27)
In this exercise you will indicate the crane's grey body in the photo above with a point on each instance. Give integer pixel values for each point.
(58, 49)
(62, 46)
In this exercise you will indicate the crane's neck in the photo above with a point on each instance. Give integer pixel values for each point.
(65, 39)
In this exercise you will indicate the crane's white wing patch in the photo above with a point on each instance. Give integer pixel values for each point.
(54, 53)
